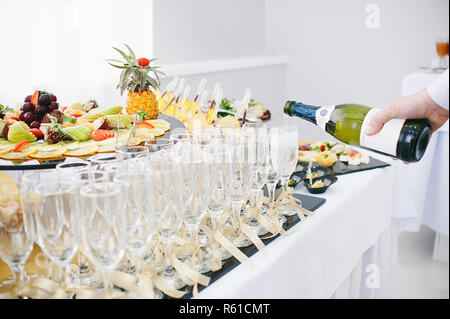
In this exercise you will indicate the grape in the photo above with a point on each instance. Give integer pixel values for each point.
(27, 107)
(21, 116)
(44, 99)
(29, 117)
(28, 98)
(35, 124)
(53, 98)
(41, 109)
(53, 106)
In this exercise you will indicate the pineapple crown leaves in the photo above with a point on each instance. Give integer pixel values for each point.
(135, 77)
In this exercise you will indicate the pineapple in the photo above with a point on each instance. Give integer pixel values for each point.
(140, 85)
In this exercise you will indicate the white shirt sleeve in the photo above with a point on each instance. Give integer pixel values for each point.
(438, 90)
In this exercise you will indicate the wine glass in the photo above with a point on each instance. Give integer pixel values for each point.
(442, 50)
(103, 235)
(284, 154)
(16, 231)
(58, 222)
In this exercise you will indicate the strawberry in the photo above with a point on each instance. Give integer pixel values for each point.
(21, 145)
(143, 62)
(322, 148)
(37, 132)
(144, 124)
(35, 98)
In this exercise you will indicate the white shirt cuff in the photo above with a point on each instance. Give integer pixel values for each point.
(439, 91)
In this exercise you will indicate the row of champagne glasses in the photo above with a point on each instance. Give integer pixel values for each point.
(108, 210)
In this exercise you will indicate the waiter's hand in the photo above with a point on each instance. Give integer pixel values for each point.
(416, 106)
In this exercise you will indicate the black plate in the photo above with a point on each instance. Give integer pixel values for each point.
(341, 168)
(30, 164)
(328, 180)
(321, 171)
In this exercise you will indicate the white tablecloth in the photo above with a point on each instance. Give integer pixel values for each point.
(333, 254)
(422, 188)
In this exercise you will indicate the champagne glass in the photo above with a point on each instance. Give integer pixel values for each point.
(240, 184)
(88, 275)
(103, 235)
(65, 171)
(166, 199)
(179, 137)
(284, 154)
(261, 153)
(273, 176)
(111, 163)
(442, 50)
(140, 226)
(159, 144)
(203, 185)
(221, 195)
(58, 222)
(16, 232)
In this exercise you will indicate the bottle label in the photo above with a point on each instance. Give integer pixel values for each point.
(384, 141)
(323, 115)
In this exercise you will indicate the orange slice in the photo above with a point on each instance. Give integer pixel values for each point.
(145, 133)
(18, 155)
(6, 148)
(83, 151)
(106, 148)
(48, 152)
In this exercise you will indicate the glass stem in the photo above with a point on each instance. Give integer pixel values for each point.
(236, 217)
(20, 276)
(271, 187)
(168, 269)
(107, 281)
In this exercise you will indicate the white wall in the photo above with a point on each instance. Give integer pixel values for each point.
(60, 46)
(336, 59)
(187, 30)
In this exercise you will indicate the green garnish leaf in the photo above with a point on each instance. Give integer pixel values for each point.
(5, 108)
(69, 119)
(142, 114)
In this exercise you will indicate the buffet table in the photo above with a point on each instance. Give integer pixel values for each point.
(347, 249)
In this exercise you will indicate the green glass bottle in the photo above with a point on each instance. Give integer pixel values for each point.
(404, 139)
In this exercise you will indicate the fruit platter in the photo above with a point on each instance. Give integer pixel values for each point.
(32, 137)
(40, 133)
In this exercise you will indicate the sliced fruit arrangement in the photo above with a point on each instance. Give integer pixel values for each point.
(40, 128)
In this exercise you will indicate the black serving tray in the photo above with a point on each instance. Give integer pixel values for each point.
(341, 168)
(309, 202)
(34, 164)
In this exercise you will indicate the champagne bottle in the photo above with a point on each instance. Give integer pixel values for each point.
(404, 139)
